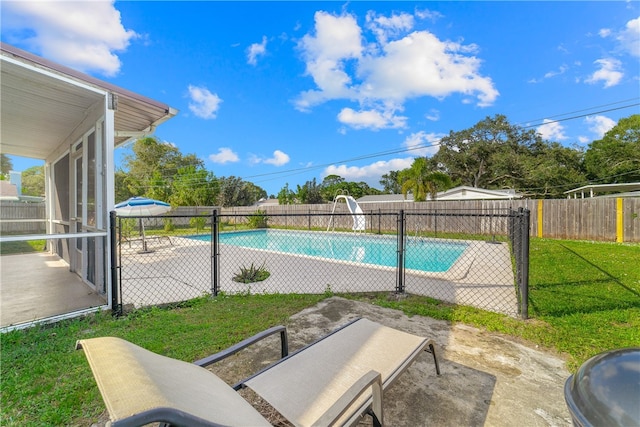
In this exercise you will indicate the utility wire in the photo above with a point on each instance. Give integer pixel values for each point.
(268, 176)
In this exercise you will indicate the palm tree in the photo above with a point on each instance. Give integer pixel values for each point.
(423, 181)
(435, 182)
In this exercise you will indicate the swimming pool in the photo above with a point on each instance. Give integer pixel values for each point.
(421, 254)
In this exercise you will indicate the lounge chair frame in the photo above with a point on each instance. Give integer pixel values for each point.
(362, 395)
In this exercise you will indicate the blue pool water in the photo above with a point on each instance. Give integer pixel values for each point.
(421, 254)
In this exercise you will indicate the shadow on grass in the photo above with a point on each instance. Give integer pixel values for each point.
(582, 296)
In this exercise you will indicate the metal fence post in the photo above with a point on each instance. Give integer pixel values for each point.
(400, 249)
(214, 254)
(525, 217)
(116, 307)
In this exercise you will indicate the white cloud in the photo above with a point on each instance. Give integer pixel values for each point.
(552, 131)
(370, 174)
(599, 125)
(279, 159)
(604, 32)
(82, 35)
(382, 75)
(427, 14)
(224, 155)
(629, 38)
(609, 72)
(423, 144)
(384, 27)
(256, 50)
(422, 65)
(563, 69)
(371, 119)
(204, 104)
(337, 40)
(433, 115)
(583, 139)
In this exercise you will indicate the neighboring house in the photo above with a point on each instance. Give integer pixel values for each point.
(631, 189)
(266, 202)
(8, 191)
(471, 193)
(13, 191)
(458, 193)
(384, 198)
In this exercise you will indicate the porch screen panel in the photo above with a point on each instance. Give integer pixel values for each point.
(91, 180)
(61, 205)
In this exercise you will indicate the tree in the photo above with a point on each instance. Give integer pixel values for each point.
(286, 196)
(6, 166)
(552, 171)
(193, 186)
(616, 157)
(421, 180)
(331, 186)
(310, 193)
(251, 193)
(494, 154)
(154, 163)
(121, 188)
(488, 155)
(33, 181)
(390, 184)
(236, 192)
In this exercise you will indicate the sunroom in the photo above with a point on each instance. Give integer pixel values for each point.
(73, 122)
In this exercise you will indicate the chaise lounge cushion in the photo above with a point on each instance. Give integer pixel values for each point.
(157, 388)
(307, 383)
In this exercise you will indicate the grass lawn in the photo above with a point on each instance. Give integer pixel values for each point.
(584, 299)
(7, 248)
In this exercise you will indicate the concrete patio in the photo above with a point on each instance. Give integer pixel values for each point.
(487, 379)
(39, 286)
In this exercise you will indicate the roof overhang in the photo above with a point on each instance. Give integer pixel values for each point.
(600, 188)
(42, 103)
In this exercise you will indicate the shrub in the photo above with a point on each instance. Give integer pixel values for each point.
(168, 224)
(198, 222)
(251, 274)
(258, 219)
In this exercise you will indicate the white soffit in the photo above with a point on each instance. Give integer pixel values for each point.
(41, 103)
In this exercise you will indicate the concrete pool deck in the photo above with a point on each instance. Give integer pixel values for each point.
(487, 379)
(180, 270)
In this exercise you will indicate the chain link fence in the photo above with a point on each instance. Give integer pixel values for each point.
(157, 262)
(470, 258)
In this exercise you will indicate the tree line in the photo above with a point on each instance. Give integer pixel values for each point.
(493, 154)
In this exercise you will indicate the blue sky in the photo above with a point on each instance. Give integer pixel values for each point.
(284, 92)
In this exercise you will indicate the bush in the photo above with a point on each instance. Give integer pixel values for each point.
(168, 224)
(258, 219)
(198, 222)
(251, 274)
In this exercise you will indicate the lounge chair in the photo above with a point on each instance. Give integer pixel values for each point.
(333, 381)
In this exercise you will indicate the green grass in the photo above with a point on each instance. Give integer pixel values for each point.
(584, 299)
(46, 382)
(8, 248)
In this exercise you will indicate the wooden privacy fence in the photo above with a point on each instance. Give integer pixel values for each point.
(600, 219)
(22, 218)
